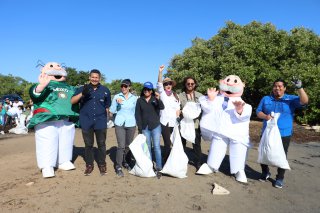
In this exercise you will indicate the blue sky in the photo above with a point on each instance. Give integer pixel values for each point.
(127, 39)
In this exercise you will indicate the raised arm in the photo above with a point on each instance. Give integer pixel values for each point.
(161, 68)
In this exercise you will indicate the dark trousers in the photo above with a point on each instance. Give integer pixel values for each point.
(7, 120)
(124, 136)
(166, 132)
(88, 137)
(285, 143)
(196, 147)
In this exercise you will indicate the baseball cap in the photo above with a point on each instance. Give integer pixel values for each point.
(148, 85)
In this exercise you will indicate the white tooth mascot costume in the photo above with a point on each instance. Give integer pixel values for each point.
(54, 133)
(225, 121)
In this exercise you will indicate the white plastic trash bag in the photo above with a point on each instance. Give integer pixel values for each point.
(271, 150)
(140, 151)
(190, 111)
(20, 129)
(177, 162)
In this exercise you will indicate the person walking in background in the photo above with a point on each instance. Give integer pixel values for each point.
(171, 111)
(16, 102)
(148, 121)
(124, 104)
(95, 100)
(285, 104)
(190, 94)
(7, 104)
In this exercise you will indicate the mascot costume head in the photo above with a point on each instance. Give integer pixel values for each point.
(55, 71)
(231, 86)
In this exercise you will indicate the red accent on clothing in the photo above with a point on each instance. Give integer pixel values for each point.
(40, 110)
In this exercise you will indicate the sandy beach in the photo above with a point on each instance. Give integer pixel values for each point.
(23, 189)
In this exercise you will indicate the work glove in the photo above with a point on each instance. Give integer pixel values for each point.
(297, 83)
(86, 90)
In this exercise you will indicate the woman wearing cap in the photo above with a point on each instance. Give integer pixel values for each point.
(124, 104)
(148, 121)
(171, 111)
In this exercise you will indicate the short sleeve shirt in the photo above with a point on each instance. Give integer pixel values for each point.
(285, 106)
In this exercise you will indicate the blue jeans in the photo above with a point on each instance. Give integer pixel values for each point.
(154, 134)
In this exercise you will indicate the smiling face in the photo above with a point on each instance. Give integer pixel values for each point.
(125, 89)
(278, 89)
(55, 71)
(231, 86)
(94, 79)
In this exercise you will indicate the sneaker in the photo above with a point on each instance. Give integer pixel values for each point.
(89, 169)
(126, 166)
(264, 177)
(158, 173)
(47, 172)
(279, 183)
(119, 172)
(103, 169)
(2, 132)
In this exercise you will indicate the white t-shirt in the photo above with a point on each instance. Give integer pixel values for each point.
(14, 112)
(171, 105)
(19, 103)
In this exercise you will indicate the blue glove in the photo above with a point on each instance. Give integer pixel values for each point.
(297, 83)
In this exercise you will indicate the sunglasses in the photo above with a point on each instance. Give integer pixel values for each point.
(124, 85)
(167, 83)
(146, 89)
(190, 84)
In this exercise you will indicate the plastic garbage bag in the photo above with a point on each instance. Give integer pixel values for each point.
(271, 150)
(177, 162)
(140, 151)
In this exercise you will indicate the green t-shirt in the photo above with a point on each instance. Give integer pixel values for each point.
(53, 103)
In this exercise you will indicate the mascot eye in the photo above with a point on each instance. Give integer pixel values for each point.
(235, 81)
(228, 79)
(51, 65)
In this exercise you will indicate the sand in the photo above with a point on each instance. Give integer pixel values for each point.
(22, 188)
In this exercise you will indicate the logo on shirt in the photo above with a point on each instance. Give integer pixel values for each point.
(62, 95)
(60, 90)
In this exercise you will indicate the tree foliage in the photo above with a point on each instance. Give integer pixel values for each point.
(259, 54)
(10, 84)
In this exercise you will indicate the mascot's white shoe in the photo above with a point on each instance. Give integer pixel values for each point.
(66, 166)
(48, 172)
(241, 177)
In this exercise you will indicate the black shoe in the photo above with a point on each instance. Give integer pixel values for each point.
(158, 173)
(119, 172)
(89, 169)
(198, 165)
(126, 166)
(103, 169)
(264, 177)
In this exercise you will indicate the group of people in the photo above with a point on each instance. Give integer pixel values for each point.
(224, 120)
(13, 113)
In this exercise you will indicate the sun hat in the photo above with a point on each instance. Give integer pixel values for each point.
(148, 85)
(169, 80)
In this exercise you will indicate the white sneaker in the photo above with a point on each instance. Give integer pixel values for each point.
(48, 172)
(2, 132)
(66, 166)
(241, 177)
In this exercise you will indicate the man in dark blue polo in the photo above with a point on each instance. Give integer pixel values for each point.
(95, 101)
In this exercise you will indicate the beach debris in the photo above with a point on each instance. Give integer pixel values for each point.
(219, 190)
(30, 184)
